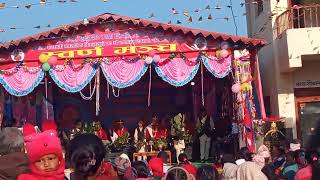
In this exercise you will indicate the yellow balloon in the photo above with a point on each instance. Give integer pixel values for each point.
(43, 58)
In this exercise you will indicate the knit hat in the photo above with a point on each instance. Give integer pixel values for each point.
(156, 166)
(41, 144)
(48, 125)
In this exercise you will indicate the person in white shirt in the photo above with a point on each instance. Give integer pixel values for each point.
(205, 127)
(140, 138)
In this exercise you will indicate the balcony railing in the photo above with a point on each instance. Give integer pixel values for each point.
(298, 17)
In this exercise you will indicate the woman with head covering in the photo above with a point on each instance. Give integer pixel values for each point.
(250, 171)
(262, 157)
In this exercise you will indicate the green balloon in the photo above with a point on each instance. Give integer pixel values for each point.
(46, 66)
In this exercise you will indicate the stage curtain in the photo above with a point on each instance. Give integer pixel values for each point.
(72, 78)
(177, 71)
(220, 68)
(21, 81)
(122, 73)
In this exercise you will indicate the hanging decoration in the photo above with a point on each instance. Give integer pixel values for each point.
(177, 71)
(21, 80)
(219, 65)
(122, 73)
(71, 77)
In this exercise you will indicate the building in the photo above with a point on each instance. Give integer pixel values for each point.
(290, 61)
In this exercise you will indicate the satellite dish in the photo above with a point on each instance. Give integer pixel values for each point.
(17, 55)
(200, 43)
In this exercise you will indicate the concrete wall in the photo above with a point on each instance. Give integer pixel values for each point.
(283, 61)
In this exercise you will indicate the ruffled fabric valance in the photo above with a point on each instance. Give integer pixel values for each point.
(122, 73)
(21, 81)
(220, 68)
(177, 71)
(72, 78)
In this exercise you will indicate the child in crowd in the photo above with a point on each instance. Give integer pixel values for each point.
(45, 155)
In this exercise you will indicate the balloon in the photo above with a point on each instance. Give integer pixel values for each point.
(43, 58)
(236, 88)
(225, 45)
(46, 66)
(218, 54)
(53, 60)
(148, 60)
(152, 53)
(224, 53)
(156, 58)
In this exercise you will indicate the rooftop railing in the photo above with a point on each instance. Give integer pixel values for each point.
(298, 17)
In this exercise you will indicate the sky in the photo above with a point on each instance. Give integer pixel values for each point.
(25, 20)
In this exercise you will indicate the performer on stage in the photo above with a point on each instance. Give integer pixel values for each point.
(154, 132)
(205, 127)
(119, 130)
(77, 129)
(177, 132)
(101, 133)
(140, 138)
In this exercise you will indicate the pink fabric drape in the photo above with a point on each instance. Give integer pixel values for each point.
(71, 78)
(218, 67)
(21, 81)
(178, 71)
(121, 73)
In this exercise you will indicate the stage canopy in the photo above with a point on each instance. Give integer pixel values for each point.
(123, 48)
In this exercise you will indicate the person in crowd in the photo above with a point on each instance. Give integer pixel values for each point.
(250, 171)
(13, 160)
(164, 156)
(188, 166)
(141, 169)
(300, 156)
(207, 172)
(290, 167)
(156, 167)
(119, 130)
(229, 167)
(262, 157)
(278, 156)
(244, 155)
(270, 171)
(45, 156)
(178, 173)
(140, 138)
(204, 127)
(87, 154)
(122, 164)
(306, 172)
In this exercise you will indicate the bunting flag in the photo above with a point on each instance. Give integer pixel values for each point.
(190, 19)
(152, 15)
(186, 13)
(210, 17)
(200, 19)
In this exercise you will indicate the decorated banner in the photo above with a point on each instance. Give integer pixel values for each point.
(99, 44)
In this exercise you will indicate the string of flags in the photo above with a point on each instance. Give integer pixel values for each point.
(41, 2)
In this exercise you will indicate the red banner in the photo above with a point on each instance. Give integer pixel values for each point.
(101, 44)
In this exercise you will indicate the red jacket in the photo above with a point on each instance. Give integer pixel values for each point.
(120, 131)
(101, 133)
